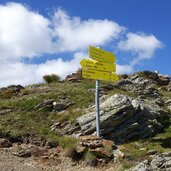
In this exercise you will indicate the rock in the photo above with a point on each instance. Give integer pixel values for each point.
(59, 106)
(74, 77)
(151, 152)
(142, 149)
(12, 90)
(123, 118)
(89, 138)
(143, 85)
(143, 166)
(5, 111)
(65, 128)
(102, 152)
(160, 162)
(80, 149)
(46, 104)
(23, 153)
(156, 77)
(100, 148)
(108, 87)
(37, 151)
(168, 103)
(4, 143)
(118, 154)
(157, 162)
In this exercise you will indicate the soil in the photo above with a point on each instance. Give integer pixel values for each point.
(10, 162)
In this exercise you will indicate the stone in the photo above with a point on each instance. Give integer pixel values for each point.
(46, 104)
(161, 162)
(59, 106)
(123, 118)
(108, 144)
(5, 111)
(102, 152)
(157, 162)
(143, 166)
(4, 143)
(143, 149)
(89, 138)
(37, 151)
(118, 154)
(12, 90)
(74, 77)
(23, 153)
(151, 152)
(63, 128)
(80, 149)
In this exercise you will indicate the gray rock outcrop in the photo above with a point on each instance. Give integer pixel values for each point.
(123, 118)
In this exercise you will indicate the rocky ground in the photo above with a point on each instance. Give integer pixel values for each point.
(12, 159)
(52, 127)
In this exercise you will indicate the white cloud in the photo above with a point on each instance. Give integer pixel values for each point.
(60, 67)
(23, 33)
(24, 74)
(124, 69)
(74, 34)
(141, 45)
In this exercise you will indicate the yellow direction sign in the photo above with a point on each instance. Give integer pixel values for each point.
(92, 64)
(99, 75)
(101, 55)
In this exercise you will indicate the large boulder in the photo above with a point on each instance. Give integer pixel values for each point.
(123, 118)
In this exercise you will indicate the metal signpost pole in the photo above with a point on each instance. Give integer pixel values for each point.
(97, 109)
(102, 67)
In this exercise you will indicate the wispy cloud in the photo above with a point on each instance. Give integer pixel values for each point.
(141, 46)
(74, 34)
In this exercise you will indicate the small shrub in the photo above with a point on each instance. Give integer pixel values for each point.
(51, 78)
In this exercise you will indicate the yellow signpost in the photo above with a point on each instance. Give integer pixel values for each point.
(92, 64)
(99, 75)
(101, 68)
(101, 55)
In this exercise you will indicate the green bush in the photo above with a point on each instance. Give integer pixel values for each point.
(51, 78)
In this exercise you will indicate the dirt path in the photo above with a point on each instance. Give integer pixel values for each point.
(9, 162)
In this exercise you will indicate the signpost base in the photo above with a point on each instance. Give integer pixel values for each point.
(97, 109)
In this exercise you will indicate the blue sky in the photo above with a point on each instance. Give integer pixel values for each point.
(39, 37)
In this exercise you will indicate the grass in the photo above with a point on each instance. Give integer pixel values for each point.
(117, 90)
(25, 120)
(161, 143)
(165, 93)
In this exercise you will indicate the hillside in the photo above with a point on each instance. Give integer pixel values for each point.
(135, 115)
